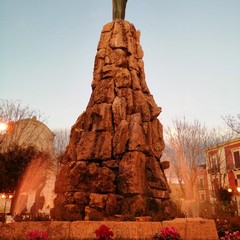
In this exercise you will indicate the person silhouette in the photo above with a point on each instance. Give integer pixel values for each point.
(119, 7)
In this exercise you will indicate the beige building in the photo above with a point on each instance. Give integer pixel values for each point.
(29, 132)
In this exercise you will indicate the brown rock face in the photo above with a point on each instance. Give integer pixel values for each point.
(112, 164)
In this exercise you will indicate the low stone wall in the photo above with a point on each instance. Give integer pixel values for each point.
(189, 228)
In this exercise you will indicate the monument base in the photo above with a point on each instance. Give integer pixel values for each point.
(189, 229)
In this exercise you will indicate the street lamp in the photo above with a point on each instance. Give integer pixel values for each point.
(236, 193)
(7, 197)
(3, 127)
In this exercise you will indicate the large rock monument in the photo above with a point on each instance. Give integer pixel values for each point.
(112, 163)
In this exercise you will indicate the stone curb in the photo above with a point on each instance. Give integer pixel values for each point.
(189, 229)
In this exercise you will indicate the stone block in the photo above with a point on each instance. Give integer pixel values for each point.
(12, 230)
(97, 201)
(141, 105)
(123, 78)
(104, 40)
(102, 117)
(103, 146)
(119, 110)
(104, 91)
(59, 230)
(189, 229)
(194, 228)
(137, 139)
(121, 138)
(132, 177)
(135, 81)
(86, 146)
(119, 58)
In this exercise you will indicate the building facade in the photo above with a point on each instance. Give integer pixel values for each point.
(203, 192)
(223, 169)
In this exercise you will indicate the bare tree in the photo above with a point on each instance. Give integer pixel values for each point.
(184, 147)
(233, 122)
(12, 111)
(20, 130)
(61, 141)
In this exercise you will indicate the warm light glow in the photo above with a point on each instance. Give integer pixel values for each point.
(238, 189)
(7, 196)
(3, 196)
(229, 190)
(3, 126)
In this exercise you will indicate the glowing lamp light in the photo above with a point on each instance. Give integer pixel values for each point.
(229, 190)
(3, 196)
(238, 189)
(3, 126)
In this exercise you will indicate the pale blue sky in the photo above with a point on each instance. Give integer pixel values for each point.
(192, 55)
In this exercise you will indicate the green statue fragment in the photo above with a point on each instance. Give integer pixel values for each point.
(119, 7)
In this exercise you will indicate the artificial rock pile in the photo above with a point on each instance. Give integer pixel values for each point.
(112, 163)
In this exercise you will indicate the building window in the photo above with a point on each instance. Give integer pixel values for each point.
(213, 162)
(202, 196)
(236, 157)
(201, 182)
(214, 167)
(238, 180)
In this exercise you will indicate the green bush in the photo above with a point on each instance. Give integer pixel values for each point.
(13, 163)
(227, 223)
(224, 214)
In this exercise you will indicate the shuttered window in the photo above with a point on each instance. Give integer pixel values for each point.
(236, 156)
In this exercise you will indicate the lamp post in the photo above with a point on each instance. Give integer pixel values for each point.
(236, 193)
(7, 197)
